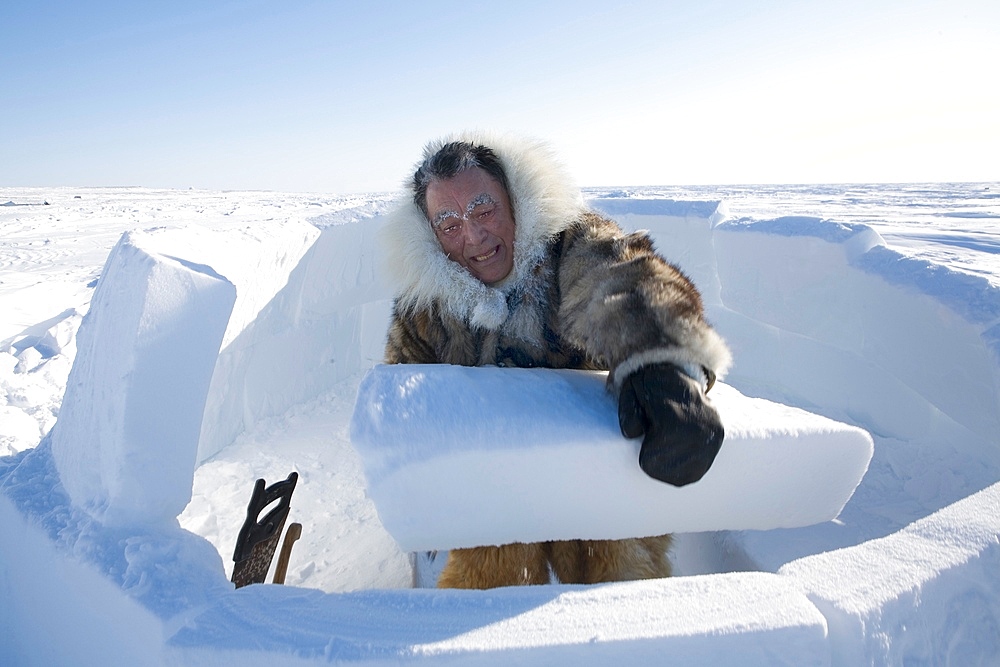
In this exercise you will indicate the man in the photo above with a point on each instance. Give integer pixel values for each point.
(497, 261)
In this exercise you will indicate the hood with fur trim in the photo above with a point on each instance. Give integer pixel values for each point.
(544, 203)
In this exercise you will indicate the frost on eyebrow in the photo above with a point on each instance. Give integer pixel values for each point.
(445, 215)
(479, 200)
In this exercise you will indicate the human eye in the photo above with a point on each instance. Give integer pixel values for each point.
(448, 223)
(485, 212)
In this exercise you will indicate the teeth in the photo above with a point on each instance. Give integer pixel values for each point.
(483, 258)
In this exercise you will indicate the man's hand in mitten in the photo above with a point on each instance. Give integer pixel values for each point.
(681, 431)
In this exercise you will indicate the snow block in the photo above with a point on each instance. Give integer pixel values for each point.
(928, 594)
(260, 261)
(750, 619)
(126, 440)
(840, 286)
(462, 457)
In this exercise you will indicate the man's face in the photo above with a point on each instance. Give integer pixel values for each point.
(472, 219)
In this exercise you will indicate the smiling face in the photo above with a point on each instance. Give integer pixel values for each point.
(473, 221)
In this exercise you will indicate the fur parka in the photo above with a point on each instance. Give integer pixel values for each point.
(581, 294)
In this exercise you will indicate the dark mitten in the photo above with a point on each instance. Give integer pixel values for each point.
(681, 430)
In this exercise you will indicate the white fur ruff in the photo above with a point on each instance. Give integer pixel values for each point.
(544, 203)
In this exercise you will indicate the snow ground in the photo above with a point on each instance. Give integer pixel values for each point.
(873, 305)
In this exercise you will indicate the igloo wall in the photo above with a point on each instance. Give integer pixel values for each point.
(820, 315)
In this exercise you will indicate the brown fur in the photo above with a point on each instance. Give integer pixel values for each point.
(598, 561)
(598, 298)
(492, 567)
(571, 561)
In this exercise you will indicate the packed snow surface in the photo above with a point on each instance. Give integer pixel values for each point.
(461, 457)
(875, 306)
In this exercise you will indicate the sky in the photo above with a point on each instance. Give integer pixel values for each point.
(340, 97)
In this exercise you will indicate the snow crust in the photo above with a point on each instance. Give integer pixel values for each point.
(459, 457)
(872, 322)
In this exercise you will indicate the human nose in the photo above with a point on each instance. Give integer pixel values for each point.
(475, 231)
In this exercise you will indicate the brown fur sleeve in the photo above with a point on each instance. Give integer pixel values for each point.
(627, 306)
(428, 336)
(408, 341)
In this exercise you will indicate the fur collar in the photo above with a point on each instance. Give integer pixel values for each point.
(544, 203)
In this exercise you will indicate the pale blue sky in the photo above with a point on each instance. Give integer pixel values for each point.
(339, 97)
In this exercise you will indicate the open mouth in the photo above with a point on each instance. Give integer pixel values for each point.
(486, 256)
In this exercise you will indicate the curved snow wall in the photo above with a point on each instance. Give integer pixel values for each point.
(810, 307)
(325, 321)
(819, 314)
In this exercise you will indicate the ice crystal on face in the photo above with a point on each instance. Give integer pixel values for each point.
(479, 200)
(446, 215)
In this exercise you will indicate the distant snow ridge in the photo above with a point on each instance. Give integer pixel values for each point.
(803, 225)
(614, 205)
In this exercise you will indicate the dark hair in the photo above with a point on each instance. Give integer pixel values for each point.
(449, 161)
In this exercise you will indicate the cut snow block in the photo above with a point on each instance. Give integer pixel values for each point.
(460, 457)
(126, 439)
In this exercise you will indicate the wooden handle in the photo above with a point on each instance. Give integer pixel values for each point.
(294, 532)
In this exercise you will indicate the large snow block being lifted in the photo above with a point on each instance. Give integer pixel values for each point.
(460, 457)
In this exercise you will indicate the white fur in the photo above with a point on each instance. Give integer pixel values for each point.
(704, 349)
(544, 203)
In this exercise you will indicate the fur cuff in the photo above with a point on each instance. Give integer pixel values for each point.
(703, 362)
